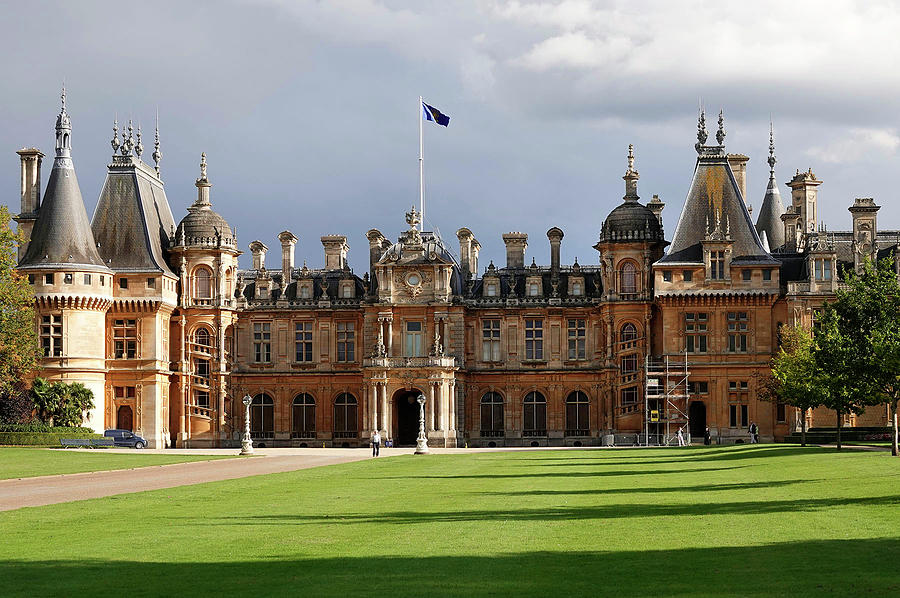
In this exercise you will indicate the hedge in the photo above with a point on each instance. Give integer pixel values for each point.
(42, 438)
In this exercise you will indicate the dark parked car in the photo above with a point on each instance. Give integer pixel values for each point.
(126, 438)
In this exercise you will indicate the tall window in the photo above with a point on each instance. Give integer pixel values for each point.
(346, 341)
(534, 415)
(577, 414)
(534, 339)
(303, 349)
(823, 269)
(201, 340)
(629, 279)
(490, 340)
(695, 331)
(201, 398)
(628, 335)
(737, 331)
(738, 399)
(492, 414)
(202, 279)
(576, 334)
(345, 425)
(262, 342)
(201, 371)
(125, 339)
(629, 395)
(490, 289)
(262, 416)
(51, 335)
(717, 265)
(303, 416)
(629, 364)
(414, 336)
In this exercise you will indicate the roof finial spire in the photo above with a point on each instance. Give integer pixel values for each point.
(701, 130)
(127, 141)
(157, 154)
(139, 147)
(771, 159)
(114, 142)
(630, 157)
(203, 166)
(631, 177)
(720, 134)
(63, 129)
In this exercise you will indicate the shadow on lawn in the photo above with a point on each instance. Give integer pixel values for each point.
(545, 474)
(611, 511)
(851, 568)
(693, 455)
(656, 489)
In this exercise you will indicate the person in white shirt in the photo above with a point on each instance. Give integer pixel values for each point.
(376, 443)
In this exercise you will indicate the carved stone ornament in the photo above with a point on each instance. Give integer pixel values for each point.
(413, 281)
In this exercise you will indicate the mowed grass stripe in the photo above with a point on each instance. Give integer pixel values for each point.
(751, 521)
(32, 462)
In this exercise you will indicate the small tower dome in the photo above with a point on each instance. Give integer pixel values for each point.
(202, 225)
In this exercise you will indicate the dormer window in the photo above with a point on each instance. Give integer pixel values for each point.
(533, 289)
(717, 265)
(823, 269)
(667, 276)
(577, 289)
(490, 289)
(347, 291)
(305, 291)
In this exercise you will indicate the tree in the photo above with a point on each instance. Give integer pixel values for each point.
(795, 379)
(869, 312)
(19, 347)
(61, 404)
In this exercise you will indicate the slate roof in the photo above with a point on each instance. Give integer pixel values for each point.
(133, 221)
(630, 221)
(714, 192)
(61, 238)
(769, 219)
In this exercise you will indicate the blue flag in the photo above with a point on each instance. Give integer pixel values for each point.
(434, 115)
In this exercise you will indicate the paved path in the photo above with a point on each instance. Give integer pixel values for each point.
(46, 490)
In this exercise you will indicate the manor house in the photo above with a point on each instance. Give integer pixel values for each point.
(158, 320)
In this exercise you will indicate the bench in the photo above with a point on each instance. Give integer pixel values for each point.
(87, 442)
(75, 442)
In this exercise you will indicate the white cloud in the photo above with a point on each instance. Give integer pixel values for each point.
(856, 144)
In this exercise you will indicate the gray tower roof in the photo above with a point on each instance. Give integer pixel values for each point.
(714, 197)
(61, 238)
(769, 219)
(133, 221)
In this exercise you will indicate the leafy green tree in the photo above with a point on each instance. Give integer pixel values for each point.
(61, 404)
(795, 379)
(869, 312)
(19, 347)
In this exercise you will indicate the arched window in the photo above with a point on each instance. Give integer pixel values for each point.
(262, 416)
(491, 415)
(629, 279)
(203, 287)
(629, 333)
(303, 416)
(534, 415)
(577, 414)
(229, 283)
(201, 339)
(345, 424)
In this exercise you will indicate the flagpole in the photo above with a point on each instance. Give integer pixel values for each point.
(421, 167)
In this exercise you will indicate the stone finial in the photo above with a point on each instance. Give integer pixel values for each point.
(720, 134)
(702, 135)
(203, 167)
(127, 141)
(630, 157)
(413, 218)
(771, 160)
(631, 177)
(157, 153)
(114, 142)
(138, 147)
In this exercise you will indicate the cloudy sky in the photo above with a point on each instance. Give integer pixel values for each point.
(307, 109)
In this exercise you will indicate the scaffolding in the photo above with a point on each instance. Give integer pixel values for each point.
(666, 394)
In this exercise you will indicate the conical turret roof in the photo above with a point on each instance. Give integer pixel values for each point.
(61, 238)
(769, 219)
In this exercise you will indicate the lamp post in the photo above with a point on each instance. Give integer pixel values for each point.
(421, 441)
(246, 441)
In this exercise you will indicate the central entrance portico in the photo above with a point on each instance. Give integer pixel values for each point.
(406, 425)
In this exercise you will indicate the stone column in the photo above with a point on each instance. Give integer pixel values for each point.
(442, 409)
(373, 401)
(385, 415)
(431, 411)
(452, 392)
(390, 337)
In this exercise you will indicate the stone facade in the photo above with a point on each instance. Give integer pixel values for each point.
(170, 334)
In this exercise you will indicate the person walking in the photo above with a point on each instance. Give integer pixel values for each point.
(376, 443)
(680, 438)
(754, 433)
(707, 437)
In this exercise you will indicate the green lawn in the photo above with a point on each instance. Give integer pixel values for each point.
(746, 521)
(31, 462)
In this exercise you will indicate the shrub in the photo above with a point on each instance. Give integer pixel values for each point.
(43, 438)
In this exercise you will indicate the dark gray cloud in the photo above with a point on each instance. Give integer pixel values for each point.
(307, 109)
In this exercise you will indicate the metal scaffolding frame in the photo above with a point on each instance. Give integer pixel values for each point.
(666, 385)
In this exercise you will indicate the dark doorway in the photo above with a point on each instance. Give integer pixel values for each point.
(125, 418)
(407, 417)
(697, 415)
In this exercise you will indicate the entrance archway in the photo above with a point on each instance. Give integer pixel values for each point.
(697, 415)
(407, 423)
(125, 418)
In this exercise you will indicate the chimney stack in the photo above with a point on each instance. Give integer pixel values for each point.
(288, 240)
(516, 243)
(468, 251)
(556, 236)
(336, 249)
(738, 163)
(258, 249)
(656, 206)
(31, 194)
(376, 240)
